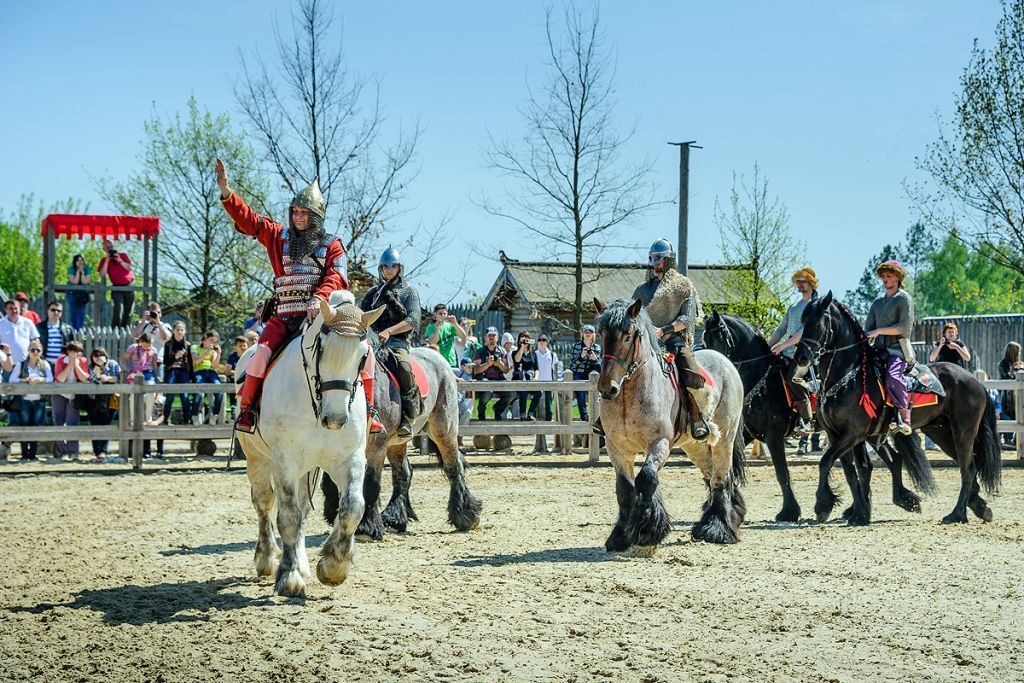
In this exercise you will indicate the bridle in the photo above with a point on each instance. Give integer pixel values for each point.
(317, 386)
(630, 363)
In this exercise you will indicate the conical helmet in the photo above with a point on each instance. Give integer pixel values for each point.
(311, 198)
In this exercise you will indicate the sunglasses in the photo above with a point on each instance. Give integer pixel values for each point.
(56, 310)
(35, 350)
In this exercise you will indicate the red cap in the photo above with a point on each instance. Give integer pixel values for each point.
(21, 295)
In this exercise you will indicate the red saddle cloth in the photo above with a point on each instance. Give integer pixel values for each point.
(422, 383)
(792, 402)
(670, 363)
(918, 399)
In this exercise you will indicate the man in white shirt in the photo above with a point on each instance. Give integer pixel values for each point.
(16, 332)
(547, 370)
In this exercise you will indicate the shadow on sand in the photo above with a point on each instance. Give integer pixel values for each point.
(158, 603)
(222, 548)
(590, 554)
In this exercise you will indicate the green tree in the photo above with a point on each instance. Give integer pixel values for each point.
(962, 282)
(755, 236)
(977, 168)
(205, 262)
(21, 245)
(869, 286)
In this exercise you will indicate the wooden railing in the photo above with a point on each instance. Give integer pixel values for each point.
(1016, 426)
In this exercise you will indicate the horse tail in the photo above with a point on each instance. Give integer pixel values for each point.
(987, 456)
(330, 490)
(739, 454)
(915, 462)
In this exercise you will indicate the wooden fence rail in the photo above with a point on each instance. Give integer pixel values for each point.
(132, 428)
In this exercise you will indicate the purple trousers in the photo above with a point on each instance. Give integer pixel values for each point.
(896, 381)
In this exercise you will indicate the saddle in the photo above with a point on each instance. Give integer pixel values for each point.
(294, 330)
(923, 387)
(387, 362)
(667, 362)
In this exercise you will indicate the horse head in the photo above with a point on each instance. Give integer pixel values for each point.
(717, 335)
(621, 325)
(337, 340)
(818, 330)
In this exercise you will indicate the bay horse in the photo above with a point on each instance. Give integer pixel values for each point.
(440, 418)
(641, 413)
(313, 418)
(768, 417)
(963, 423)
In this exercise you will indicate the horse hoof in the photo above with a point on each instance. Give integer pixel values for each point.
(857, 520)
(909, 503)
(848, 513)
(786, 515)
(364, 537)
(986, 516)
(953, 518)
(266, 566)
(714, 531)
(617, 541)
(290, 584)
(822, 517)
(332, 571)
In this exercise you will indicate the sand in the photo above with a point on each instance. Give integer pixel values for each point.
(149, 577)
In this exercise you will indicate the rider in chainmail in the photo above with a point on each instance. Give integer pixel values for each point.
(671, 301)
(399, 321)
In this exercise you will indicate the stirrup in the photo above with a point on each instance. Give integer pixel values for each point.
(246, 421)
(597, 428)
(376, 426)
(699, 429)
(804, 427)
(405, 429)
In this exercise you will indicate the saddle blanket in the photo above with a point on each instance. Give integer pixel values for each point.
(923, 387)
(422, 383)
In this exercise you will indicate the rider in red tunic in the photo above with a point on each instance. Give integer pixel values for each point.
(308, 266)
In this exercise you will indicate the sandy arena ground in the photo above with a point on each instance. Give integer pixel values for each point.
(149, 577)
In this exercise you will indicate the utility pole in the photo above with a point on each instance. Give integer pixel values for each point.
(682, 252)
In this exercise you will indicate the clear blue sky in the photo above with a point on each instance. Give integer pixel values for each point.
(833, 100)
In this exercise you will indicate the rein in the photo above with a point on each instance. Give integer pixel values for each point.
(631, 364)
(314, 382)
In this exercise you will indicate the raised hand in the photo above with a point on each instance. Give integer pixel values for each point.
(222, 179)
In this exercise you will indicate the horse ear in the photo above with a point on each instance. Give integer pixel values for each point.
(634, 308)
(370, 317)
(827, 300)
(599, 305)
(326, 312)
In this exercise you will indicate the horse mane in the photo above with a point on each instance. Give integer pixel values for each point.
(615, 317)
(747, 328)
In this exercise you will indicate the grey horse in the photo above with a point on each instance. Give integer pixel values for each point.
(440, 418)
(639, 411)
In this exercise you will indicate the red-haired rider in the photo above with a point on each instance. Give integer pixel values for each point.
(308, 266)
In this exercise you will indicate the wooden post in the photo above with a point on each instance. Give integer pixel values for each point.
(124, 423)
(565, 405)
(595, 411)
(1018, 404)
(153, 280)
(138, 400)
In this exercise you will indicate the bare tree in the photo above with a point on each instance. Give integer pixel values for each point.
(570, 187)
(977, 169)
(315, 119)
(755, 238)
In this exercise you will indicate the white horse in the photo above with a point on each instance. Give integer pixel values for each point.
(313, 416)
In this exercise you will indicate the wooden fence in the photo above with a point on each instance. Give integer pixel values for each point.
(131, 428)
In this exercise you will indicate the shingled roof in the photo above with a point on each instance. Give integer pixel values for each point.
(553, 285)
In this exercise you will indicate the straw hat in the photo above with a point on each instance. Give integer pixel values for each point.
(807, 275)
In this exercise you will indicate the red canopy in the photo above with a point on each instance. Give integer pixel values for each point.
(78, 225)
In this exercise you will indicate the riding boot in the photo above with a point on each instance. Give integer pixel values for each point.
(699, 429)
(410, 411)
(596, 427)
(248, 404)
(375, 424)
(903, 424)
(805, 425)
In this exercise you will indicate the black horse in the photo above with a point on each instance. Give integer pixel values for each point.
(963, 424)
(768, 417)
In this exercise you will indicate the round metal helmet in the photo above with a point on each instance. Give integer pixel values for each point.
(390, 257)
(311, 199)
(660, 250)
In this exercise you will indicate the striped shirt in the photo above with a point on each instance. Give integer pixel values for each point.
(54, 342)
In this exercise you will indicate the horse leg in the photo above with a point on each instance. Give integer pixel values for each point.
(463, 508)
(336, 554)
(291, 517)
(649, 523)
(776, 441)
(371, 526)
(724, 509)
(960, 448)
(857, 468)
(978, 504)
(901, 495)
(825, 498)
(625, 495)
(396, 513)
(267, 553)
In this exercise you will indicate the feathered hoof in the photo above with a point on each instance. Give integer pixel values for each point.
(394, 517)
(788, 514)
(907, 500)
(290, 584)
(332, 571)
(464, 517)
(986, 515)
(366, 532)
(266, 563)
(617, 541)
(858, 520)
(714, 531)
(848, 513)
(954, 518)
